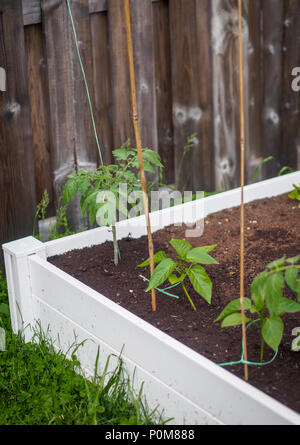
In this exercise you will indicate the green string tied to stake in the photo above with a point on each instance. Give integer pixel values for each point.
(242, 361)
(163, 291)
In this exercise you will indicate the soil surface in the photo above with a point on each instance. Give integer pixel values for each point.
(272, 231)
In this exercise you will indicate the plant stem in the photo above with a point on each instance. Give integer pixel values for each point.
(262, 343)
(116, 258)
(188, 297)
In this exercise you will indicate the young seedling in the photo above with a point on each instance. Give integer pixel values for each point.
(295, 194)
(267, 301)
(100, 189)
(186, 266)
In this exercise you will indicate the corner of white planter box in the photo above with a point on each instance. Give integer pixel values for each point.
(23, 247)
(16, 255)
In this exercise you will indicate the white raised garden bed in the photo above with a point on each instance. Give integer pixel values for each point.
(189, 387)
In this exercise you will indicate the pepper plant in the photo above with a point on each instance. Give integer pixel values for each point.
(187, 265)
(101, 189)
(267, 302)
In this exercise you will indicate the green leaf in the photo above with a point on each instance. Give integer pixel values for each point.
(89, 201)
(158, 257)
(272, 332)
(148, 167)
(152, 156)
(197, 255)
(181, 246)
(258, 290)
(273, 287)
(291, 276)
(84, 185)
(264, 161)
(4, 308)
(161, 273)
(121, 154)
(201, 282)
(207, 249)
(234, 306)
(285, 170)
(234, 320)
(70, 189)
(295, 194)
(288, 306)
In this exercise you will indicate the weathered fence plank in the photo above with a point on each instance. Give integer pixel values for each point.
(190, 35)
(32, 12)
(17, 188)
(273, 16)
(72, 138)
(163, 87)
(102, 83)
(143, 52)
(98, 6)
(226, 92)
(121, 108)
(39, 105)
(141, 17)
(290, 123)
(203, 159)
(254, 151)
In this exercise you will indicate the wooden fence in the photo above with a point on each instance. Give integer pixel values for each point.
(186, 63)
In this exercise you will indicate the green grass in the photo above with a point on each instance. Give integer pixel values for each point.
(39, 386)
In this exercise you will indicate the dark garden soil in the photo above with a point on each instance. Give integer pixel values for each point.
(272, 231)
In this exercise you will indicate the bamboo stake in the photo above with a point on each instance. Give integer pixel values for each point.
(139, 142)
(242, 147)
